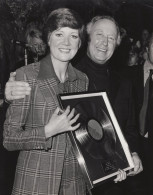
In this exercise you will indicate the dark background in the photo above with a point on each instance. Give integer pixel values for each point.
(134, 15)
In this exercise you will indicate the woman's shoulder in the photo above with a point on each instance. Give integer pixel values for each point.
(30, 71)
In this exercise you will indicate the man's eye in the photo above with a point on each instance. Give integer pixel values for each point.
(111, 38)
(99, 34)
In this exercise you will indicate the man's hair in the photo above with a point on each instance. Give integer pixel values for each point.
(64, 17)
(97, 18)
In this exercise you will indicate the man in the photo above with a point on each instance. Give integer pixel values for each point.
(140, 78)
(103, 38)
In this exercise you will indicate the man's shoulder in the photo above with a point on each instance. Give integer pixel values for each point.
(119, 79)
(82, 64)
(131, 72)
(80, 74)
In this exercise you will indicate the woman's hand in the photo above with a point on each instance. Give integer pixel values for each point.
(60, 123)
(16, 89)
(121, 176)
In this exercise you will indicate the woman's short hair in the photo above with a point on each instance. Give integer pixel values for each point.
(64, 17)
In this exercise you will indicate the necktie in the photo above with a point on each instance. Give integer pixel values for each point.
(145, 113)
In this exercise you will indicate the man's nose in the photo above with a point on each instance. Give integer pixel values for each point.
(105, 40)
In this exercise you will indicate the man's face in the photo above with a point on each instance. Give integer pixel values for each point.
(103, 40)
(145, 35)
(150, 53)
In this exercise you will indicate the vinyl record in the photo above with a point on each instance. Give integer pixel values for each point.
(96, 133)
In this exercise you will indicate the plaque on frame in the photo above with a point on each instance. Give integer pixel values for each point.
(98, 143)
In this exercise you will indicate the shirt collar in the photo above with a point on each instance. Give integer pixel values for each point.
(47, 71)
(147, 66)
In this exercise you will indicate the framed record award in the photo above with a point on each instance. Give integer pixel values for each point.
(98, 143)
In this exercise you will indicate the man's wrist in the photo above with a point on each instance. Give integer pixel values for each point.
(6, 100)
(134, 154)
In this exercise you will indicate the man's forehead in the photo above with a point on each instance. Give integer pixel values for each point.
(105, 23)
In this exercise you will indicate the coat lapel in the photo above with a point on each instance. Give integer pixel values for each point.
(47, 81)
(138, 82)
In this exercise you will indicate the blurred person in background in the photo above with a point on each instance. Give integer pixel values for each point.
(35, 46)
(142, 81)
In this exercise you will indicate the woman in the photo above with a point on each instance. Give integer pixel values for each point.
(46, 164)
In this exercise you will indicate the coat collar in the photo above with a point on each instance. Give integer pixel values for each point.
(47, 71)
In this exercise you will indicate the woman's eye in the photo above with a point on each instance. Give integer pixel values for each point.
(74, 36)
(58, 34)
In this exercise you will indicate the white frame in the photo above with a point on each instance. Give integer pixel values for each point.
(77, 149)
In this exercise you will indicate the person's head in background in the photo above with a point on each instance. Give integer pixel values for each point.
(64, 33)
(103, 37)
(144, 35)
(150, 49)
(133, 57)
(35, 41)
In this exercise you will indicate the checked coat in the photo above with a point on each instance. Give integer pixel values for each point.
(45, 166)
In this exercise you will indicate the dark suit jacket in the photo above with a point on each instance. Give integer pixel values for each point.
(120, 93)
(136, 74)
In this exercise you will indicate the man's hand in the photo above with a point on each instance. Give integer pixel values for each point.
(137, 165)
(16, 89)
(121, 176)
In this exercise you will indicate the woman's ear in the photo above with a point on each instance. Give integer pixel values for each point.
(80, 43)
(48, 39)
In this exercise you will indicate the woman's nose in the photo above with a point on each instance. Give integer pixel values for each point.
(66, 41)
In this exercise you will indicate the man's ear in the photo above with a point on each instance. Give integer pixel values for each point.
(119, 40)
(88, 28)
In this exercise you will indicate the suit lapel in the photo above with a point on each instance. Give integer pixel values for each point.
(49, 90)
(47, 81)
(139, 85)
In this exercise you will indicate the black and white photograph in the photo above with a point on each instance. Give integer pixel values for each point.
(76, 97)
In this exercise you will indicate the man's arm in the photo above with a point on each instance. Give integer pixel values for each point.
(16, 89)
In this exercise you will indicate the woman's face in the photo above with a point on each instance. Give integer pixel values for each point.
(64, 43)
